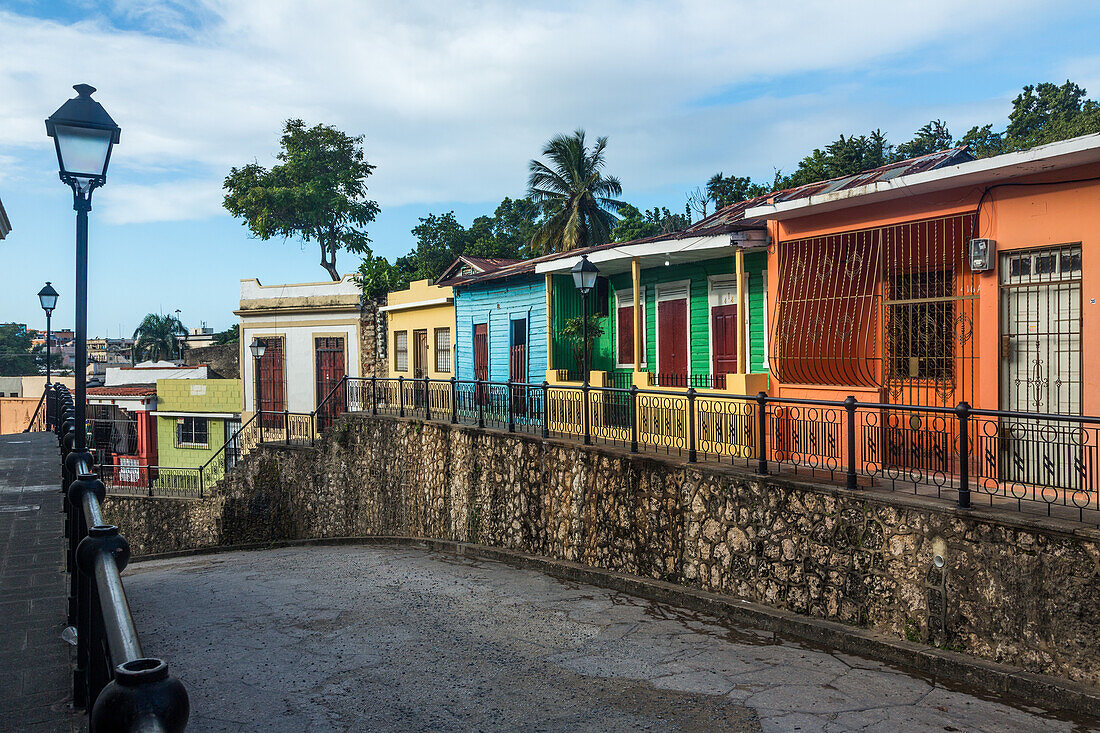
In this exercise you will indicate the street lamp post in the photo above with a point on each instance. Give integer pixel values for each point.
(257, 348)
(83, 135)
(584, 277)
(179, 344)
(47, 297)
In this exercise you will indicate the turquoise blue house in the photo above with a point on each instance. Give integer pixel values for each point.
(500, 324)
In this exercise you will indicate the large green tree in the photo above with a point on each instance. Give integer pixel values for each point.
(318, 192)
(16, 359)
(159, 337)
(635, 224)
(577, 199)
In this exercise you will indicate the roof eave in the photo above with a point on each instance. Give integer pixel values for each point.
(1054, 156)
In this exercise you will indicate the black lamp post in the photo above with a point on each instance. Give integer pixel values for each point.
(179, 344)
(584, 277)
(83, 135)
(257, 348)
(47, 296)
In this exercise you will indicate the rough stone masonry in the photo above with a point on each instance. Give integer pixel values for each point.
(1012, 589)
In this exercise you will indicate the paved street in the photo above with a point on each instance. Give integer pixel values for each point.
(396, 638)
(34, 661)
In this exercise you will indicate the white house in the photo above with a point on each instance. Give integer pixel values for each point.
(311, 336)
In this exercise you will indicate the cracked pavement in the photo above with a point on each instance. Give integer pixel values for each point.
(392, 638)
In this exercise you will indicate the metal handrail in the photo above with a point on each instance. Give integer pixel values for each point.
(953, 452)
(119, 687)
(37, 409)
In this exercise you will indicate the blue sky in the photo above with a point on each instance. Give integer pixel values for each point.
(453, 100)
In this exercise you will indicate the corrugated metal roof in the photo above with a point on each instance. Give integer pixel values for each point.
(731, 218)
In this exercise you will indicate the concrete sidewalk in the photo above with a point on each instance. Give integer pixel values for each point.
(396, 638)
(35, 676)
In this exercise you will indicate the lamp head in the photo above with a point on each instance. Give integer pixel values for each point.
(83, 135)
(47, 296)
(584, 275)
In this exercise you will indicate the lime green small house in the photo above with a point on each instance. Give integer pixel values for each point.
(195, 417)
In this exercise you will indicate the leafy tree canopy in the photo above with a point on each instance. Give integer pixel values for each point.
(16, 359)
(159, 337)
(577, 200)
(318, 192)
(635, 224)
(230, 335)
(1041, 114)
(441, 238)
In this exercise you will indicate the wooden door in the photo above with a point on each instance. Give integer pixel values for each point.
(420, 354)
(723, 332)
(329, 369)
(626, 334)
(672, 342)
(481, 358)
(517, 365)
(272, 382)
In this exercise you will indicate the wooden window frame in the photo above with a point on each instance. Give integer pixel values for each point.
(399, 351)
(444, 352)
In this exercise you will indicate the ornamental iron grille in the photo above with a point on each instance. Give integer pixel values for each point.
(889, 308)
(1040, 351)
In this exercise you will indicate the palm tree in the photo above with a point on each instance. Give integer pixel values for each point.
(576, 198)
(159, 335)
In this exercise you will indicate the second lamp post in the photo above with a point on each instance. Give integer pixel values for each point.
(584, 277)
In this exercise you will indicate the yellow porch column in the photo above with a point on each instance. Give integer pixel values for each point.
(742, 361)
(636, 275)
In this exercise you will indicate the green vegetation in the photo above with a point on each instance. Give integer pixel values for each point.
(159, 337)
(230, 335)
(572, 203)
(575, 197)
(16, 359)
(318, 192)
(573, 333)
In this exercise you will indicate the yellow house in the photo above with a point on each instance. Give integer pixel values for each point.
(420, 331)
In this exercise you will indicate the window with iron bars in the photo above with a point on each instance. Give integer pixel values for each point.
(921, 325)
(191, 432)
(401, 351)
(443, 349)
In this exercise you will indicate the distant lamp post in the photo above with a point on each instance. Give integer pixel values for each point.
(47, 296)
(257, 348)
(179, 344)
(584, 277)
(83, 135)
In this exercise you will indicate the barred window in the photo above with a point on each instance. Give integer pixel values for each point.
(443, 349)
(401, 351)
(921, 325)
(191, 432)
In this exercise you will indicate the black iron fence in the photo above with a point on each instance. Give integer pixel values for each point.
(1024, 461)
(119, 687)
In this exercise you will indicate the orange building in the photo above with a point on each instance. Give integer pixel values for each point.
(973, 282)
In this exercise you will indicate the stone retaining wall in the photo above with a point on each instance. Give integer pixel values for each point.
(1011, 589)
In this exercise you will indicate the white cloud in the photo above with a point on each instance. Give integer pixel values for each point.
(129, 203)
(453, 98)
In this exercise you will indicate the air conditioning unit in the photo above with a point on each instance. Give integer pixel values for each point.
(981, 255)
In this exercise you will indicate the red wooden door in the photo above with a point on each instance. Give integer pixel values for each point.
(329, 368)
(723, 331)
(517, 365)
(626, 334)
(672, 341)
(273, 386)
(481, 357)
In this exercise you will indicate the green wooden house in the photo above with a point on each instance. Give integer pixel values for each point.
(702, 294)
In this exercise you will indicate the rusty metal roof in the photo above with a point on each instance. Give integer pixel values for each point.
(731, 218)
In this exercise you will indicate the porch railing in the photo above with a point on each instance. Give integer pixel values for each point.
(40, 420)
(1023, 461)
(119, 687)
